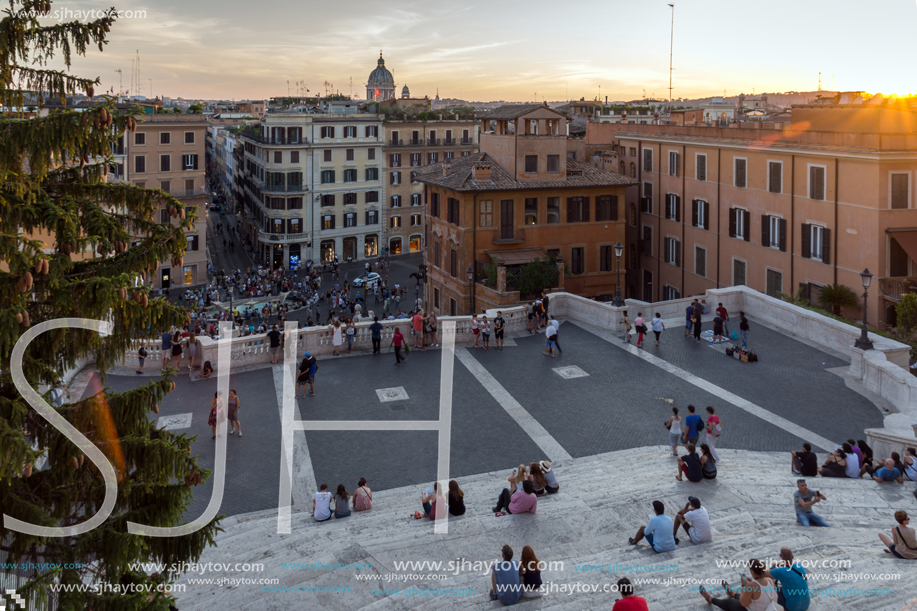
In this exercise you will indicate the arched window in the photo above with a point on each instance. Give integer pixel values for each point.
(633, 214)
(633, 169)
(623, 169)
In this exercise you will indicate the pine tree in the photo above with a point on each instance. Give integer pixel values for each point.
(53, 183)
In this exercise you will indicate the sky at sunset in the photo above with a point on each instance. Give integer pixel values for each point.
(509, 50)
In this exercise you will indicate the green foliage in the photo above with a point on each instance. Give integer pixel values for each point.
(906, 311)
(196, 109)
(835, 297)
(536, 276)
(53, 183)
(490, 273)
(796, 299)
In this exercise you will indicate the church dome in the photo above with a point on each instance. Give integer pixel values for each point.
(405, 89)
(381, 75)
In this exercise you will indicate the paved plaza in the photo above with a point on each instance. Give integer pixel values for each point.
(620, 400)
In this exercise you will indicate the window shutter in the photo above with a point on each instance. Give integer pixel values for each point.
(826, 245)
(765, 230)
(806, 240)
(740, 173)
(677, 253)
(586, 209)
(732, 222)
(570, 211)
(701, 167)
(746, 215)
(665, 248)
(782, 225)
(677, 202)
(694, 214)
(776, 171)
(614, 207)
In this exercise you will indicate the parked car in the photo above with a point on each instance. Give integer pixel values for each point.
(369, 279)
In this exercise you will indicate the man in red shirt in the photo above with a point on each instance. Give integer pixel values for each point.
(722, 313)
(397, 342)
(628, 601)
(418, 328)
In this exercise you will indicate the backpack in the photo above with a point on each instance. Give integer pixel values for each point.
(363, 502)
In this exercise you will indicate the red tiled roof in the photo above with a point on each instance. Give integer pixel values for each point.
(460, 176)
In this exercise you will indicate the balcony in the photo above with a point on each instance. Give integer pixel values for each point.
(510, 235)
(394, 142)
(284, 189)
(287, 140)
(897, 288)
(466, 141)
(434, 141)
(267, 237)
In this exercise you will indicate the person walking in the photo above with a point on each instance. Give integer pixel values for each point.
(556, 324)
(743, 328)
(658, 326)
(640, 326)
(233, 405)
(626, 324)
(674, 427)
(375, 331)
(397, 342)
(550, 333)
(689, 318)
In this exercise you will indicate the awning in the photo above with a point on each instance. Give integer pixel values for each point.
(907, 238)
(518, 256)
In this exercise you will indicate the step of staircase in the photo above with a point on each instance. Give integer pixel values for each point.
(603, 500)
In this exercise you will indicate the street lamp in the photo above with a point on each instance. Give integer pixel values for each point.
(618, 300)
(863, 342)
(470, 273)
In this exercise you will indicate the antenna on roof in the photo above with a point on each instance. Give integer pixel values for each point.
(819, 80)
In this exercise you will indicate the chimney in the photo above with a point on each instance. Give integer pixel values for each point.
(447, 168)
(480, 171)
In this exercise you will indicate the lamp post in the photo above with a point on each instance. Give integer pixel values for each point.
(618, 300)
(863, 342)
(470, 273)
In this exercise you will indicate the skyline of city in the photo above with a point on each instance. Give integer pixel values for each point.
(495, 52)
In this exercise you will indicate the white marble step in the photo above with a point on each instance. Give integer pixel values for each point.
(603, 501)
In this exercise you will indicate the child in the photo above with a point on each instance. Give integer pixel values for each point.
(207, 371)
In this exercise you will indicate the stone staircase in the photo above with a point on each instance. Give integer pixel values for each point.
(603, 500)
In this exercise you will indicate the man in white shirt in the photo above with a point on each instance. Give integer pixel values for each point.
(695, 521)
(556, 324)
(550, 333)
(321, 504)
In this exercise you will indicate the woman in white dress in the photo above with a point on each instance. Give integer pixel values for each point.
(337, 336)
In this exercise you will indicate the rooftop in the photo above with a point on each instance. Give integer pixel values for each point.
(459, 176)
(512, 111)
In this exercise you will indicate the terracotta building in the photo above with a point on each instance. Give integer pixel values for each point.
(410, 145)
(780, 208)
(167, 152)
(519, 199)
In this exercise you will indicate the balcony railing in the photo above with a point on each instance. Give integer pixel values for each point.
(897, 288)
(284, 188)
(283, 238)
(275, 139)
(395, 142)
(467, 141)
(434, 141)
(509, 235)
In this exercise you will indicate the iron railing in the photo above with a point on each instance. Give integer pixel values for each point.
(897, 288)
(509, 235)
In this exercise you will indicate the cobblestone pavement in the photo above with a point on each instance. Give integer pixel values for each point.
(622, 403)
